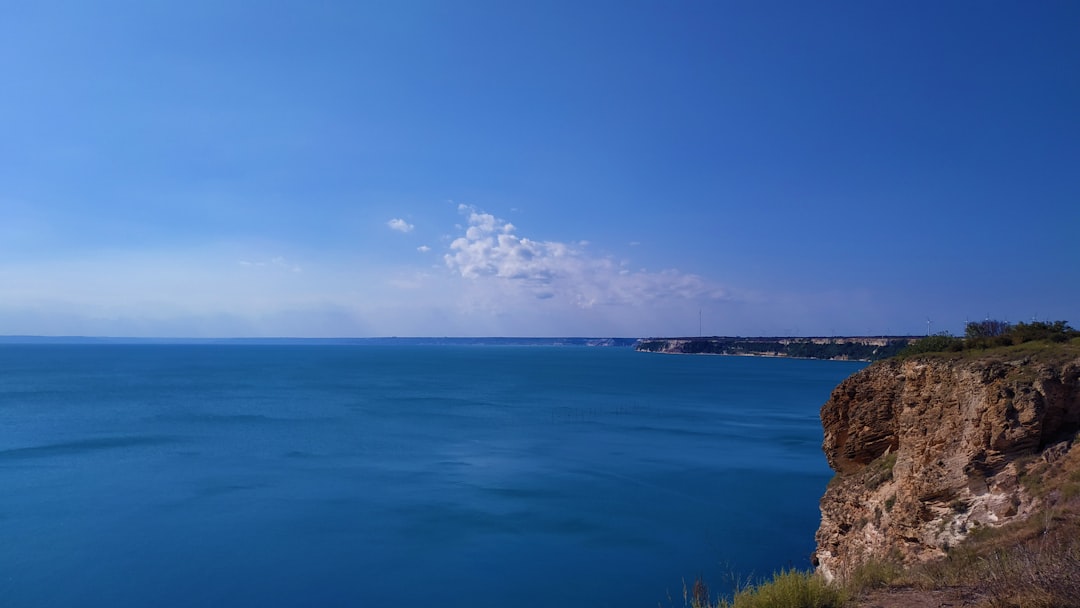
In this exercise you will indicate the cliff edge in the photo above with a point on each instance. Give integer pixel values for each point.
(929, 449)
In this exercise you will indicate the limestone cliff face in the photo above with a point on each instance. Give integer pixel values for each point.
(927, 450)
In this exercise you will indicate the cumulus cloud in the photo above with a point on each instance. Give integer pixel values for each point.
(491, 250)
(423, 249)
(400, 225)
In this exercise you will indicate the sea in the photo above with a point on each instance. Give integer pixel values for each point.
(401, 475)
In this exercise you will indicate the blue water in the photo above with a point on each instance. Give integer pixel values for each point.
(227, 475)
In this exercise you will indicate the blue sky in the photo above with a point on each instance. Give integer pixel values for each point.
(466, 168)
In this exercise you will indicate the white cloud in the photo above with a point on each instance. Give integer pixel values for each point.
(400, 225)
(423, 249)
(275, 262)
(491, 250)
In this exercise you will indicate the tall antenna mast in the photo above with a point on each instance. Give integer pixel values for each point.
(928, 322)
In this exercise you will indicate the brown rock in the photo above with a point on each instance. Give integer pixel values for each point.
(924, 451)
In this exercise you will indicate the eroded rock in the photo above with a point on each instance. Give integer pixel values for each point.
(926, 450)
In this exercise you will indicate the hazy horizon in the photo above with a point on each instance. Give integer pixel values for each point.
(479, 168)
(14, 339)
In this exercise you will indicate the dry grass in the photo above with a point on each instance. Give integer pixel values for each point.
(786, 589)
(1040, 575)
(874, 574)
(1030, 564)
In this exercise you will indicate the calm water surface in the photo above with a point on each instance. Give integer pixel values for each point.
(228, 475)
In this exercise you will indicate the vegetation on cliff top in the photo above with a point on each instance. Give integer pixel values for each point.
(981, 336)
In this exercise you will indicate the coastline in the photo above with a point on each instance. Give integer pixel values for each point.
(834, 348)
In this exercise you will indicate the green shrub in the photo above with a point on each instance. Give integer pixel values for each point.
(872, 574)
(788, 589)
(1034, 478)
(938, 343)
(879, 471)
(989, 328)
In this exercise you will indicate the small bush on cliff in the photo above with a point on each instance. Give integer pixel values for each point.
(989, 328)
(788, 589)
(938, 343)
(879, 471)
(873, 574)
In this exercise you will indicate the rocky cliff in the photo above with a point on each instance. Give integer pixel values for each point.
(929, 449)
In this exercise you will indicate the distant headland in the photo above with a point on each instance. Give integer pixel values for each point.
(849, 348)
